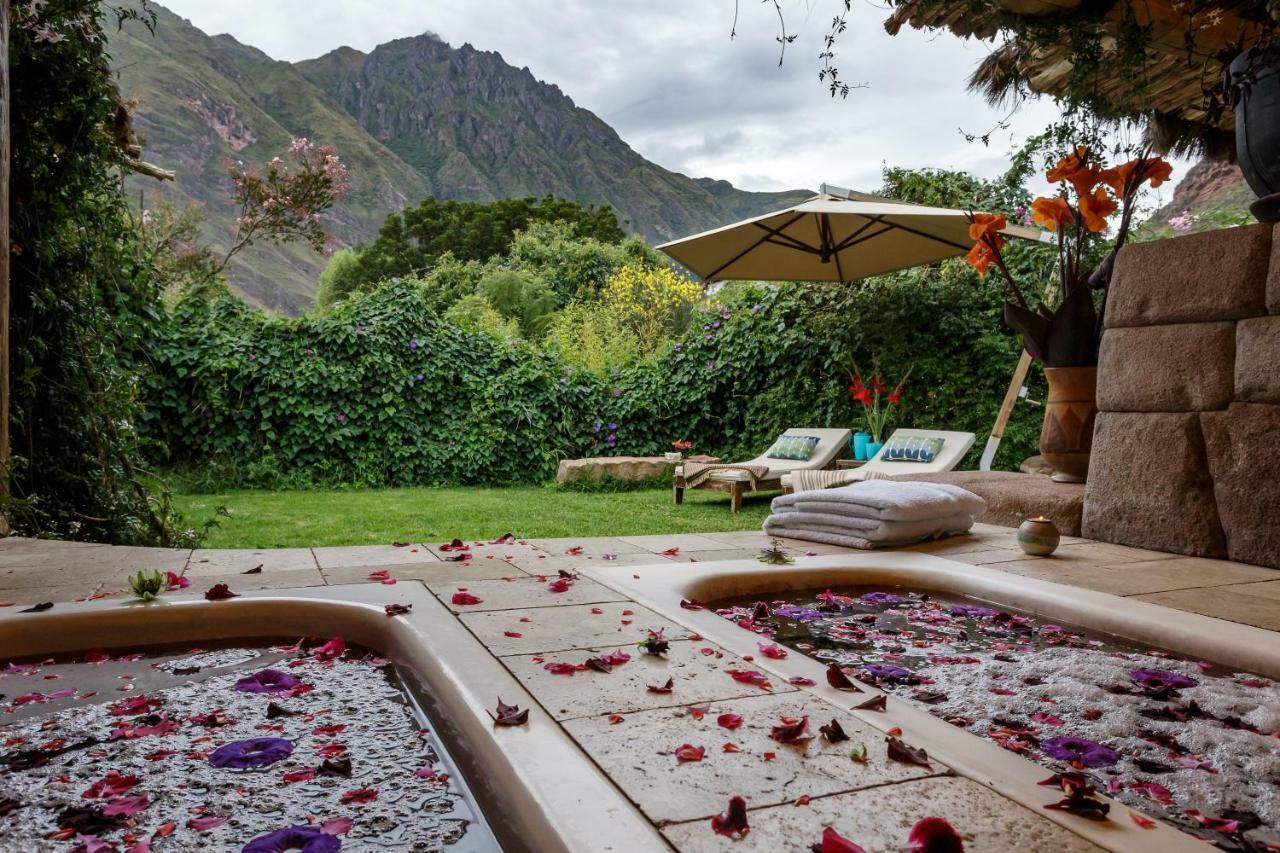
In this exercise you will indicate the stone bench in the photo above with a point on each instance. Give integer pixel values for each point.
(629, 468)
(1012, 497)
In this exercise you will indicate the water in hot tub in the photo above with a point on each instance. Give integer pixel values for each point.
(258, 748)
(1185, 740)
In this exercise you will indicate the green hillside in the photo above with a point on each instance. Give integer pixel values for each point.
(414, 117)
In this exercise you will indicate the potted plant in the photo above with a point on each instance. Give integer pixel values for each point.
(1065, 338)
(877, 404)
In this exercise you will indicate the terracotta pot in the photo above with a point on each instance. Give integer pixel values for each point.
(1066, 439)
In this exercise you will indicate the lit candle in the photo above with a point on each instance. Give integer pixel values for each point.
(1038, 536)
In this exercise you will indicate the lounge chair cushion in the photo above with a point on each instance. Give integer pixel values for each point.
(796, 447)
(912, 448)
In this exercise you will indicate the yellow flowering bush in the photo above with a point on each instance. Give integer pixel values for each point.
(653, 302)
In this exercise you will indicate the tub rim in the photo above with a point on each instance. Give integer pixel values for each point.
(662, 586)
(549, 793)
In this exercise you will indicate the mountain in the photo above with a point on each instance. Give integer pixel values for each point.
(1211, 194)
(412, 118)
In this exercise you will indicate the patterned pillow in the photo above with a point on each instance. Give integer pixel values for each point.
(911, 448)
(797, 447)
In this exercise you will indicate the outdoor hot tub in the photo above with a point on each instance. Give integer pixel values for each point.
(920, 630)
(230, 719)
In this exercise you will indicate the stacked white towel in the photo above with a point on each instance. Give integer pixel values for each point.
(875, 513)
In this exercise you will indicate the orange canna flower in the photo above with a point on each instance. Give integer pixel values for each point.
(1053, 212)
(1077, 170)
(986, 223)
(980, 257)
(1095, 208)
(1129, 176)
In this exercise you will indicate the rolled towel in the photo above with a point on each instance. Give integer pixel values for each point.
(874, 530)
(777, 525)
(891, 500)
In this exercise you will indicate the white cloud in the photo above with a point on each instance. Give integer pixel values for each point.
(666, 76)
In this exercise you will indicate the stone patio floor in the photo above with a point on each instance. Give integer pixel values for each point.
(632, 732)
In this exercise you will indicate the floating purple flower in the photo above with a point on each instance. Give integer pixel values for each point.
(876, 598)
(267, 681)
(252, 753)
(1159, 679)
(970, 611)
(887, 671)
(1078, 749)
(308, 839)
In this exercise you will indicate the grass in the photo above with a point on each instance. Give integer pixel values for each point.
(267, 519)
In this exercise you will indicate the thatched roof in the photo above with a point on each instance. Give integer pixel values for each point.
(1168, 76)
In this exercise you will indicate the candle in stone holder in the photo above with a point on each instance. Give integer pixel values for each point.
(1038, 536)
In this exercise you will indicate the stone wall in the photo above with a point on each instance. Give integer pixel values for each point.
(1186, 452)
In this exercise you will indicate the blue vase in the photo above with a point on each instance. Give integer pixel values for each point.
(859, 445)
(873, 447)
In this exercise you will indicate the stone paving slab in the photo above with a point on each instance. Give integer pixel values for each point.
(523, 592)
(714, 556)
(482, 550)
(554, 629)
(545, 564)
(683, 541)
(880, 820)
(464, 572)
(213, 561)
(238, 582)
(698, 678)
(638, 755)
(372, 555)
(1132, 578)
(1233, 603)
(27, 596)
(588, 545)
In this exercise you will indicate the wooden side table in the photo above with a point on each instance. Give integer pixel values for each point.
(846, 464)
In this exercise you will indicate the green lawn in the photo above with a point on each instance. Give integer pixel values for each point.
(265, 519)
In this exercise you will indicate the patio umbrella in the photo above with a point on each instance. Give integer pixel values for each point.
(831, 237)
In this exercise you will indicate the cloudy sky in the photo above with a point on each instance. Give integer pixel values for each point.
(666, 75)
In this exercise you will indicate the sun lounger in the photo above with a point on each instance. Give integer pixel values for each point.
(954, 446)
(764, 473)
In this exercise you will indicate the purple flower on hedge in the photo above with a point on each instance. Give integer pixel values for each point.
(1158, 679)
(252, 357)
(267, 681)
(887, 671)
(419, 377)
(413, 343)
(611, 440)
(711, 365)
(613, 427)
(564, 381)
(971, 611)
(617, 392)
(252, 753)
(1081, 750)
(679, 347)
(598, 427)
(876, 598)
(716, 324)
(342, 418)
(308, 839)
(755, 309)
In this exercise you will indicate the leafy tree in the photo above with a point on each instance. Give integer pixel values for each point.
(473, 313)
(574, 266)
(409, 243)
(84, 299)
(521, 296)
(338, 279)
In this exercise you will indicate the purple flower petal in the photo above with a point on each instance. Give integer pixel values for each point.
(1087, 752)
(1157, 679)
(887, 671)
(972, 612)
(252, 753)
(308, 839)
(880, 598)
(267, 681)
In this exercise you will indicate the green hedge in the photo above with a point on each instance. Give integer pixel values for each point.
(381, 391)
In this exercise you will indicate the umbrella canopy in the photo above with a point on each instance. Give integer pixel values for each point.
(831, 238)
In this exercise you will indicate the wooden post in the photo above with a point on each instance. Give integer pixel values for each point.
(5, 111)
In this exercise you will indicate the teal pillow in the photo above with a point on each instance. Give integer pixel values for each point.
(911, 448)
(797, 447)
